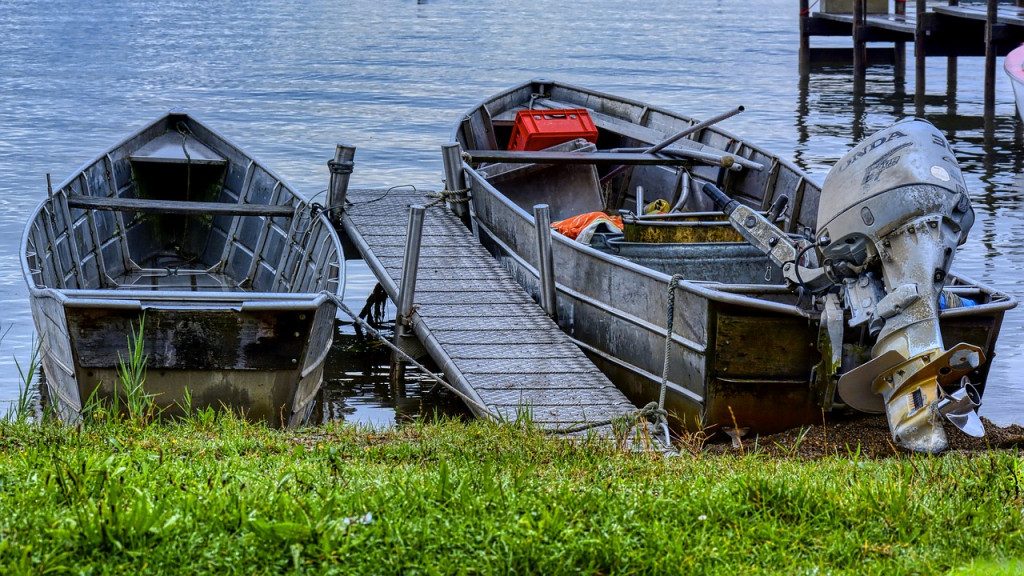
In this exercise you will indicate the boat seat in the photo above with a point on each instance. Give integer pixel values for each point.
(177, 206)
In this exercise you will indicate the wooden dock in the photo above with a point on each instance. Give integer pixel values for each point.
(491, 340)
(988, 30)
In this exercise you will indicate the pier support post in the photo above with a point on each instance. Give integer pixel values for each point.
(454, 179)
(545, 262)
(899, 49)
(805, 38)
(919, 57)
(406, 293)
(990, 58)
(341, 170)
(860, 46)
(951, 76)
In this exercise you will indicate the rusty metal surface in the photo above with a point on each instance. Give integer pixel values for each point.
(684, 228)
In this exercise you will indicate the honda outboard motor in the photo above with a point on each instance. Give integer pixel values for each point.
(891, 214)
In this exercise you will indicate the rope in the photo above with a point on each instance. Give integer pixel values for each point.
(815, 3)
(184, 130)
(649, 410)
(668, 338)
(453, 196)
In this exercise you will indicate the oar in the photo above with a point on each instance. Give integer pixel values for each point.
(686, 132)
(698, 126)
(678, 135)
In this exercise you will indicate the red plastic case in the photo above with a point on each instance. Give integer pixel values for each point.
(539, 129)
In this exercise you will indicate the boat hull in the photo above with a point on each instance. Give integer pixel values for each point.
(745, 349)
(1013, 65)
(236, 311)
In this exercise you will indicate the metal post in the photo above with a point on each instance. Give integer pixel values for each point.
(341, 170)
(860, 46)
(805, 38)
(951, 76)
(546, 263)
(454, 179)
(406, 292)
(919, 57)
(899, 49)
(990, 58)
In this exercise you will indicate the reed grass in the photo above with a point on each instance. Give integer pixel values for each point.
(131, 372)
(214, 494)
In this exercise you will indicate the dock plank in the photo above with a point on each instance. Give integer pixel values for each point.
(496, 343)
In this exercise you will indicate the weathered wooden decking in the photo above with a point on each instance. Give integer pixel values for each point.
(492, 341)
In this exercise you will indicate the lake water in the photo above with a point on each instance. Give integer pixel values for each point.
(288, 80)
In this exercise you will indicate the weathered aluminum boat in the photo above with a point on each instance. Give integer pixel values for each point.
(234, 274)
(1013, 64)
(755, 344)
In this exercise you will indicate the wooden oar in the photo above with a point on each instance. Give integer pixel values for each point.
(660, 147)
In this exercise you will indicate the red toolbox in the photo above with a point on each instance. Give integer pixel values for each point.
(539, 129)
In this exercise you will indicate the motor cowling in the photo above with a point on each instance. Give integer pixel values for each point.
(900, 174)
(891, 214)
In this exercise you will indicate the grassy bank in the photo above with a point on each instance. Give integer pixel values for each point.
(216, 495)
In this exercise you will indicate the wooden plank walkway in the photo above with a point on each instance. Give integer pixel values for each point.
(492, 341)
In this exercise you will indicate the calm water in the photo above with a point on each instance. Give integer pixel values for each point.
(288, 80)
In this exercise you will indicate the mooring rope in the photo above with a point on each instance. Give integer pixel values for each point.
(454, 196)
(669, 324)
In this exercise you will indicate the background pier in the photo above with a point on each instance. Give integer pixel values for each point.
(949, 28)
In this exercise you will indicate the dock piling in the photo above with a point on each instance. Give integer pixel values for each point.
(900, 47)
(860, 45)
(990, 57)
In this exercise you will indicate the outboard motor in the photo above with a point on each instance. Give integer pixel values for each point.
(891, 214)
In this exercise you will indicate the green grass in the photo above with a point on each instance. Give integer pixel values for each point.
(216, 495)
